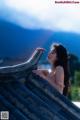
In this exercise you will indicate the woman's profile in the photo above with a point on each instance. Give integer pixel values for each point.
(59, 75)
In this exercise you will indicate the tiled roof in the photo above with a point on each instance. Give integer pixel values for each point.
(34, 99)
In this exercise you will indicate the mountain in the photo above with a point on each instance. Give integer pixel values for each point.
(70, 40)
(16, 41)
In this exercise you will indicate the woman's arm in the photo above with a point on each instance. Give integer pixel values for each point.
(58, 79)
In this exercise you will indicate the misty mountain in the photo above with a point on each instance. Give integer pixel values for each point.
(16, 41)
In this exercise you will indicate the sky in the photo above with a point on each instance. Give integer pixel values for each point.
(42, 14)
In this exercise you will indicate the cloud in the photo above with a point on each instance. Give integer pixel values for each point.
(42, 14)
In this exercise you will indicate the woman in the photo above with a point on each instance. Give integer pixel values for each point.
(59, 76)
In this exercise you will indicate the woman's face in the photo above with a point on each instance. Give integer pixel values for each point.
(52, 56)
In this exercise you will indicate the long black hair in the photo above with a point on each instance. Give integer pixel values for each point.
(62, 60)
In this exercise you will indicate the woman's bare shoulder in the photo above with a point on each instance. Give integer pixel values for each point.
(60, 73)
(60, 68)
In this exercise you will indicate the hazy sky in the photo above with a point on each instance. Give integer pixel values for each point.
(42, 14)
